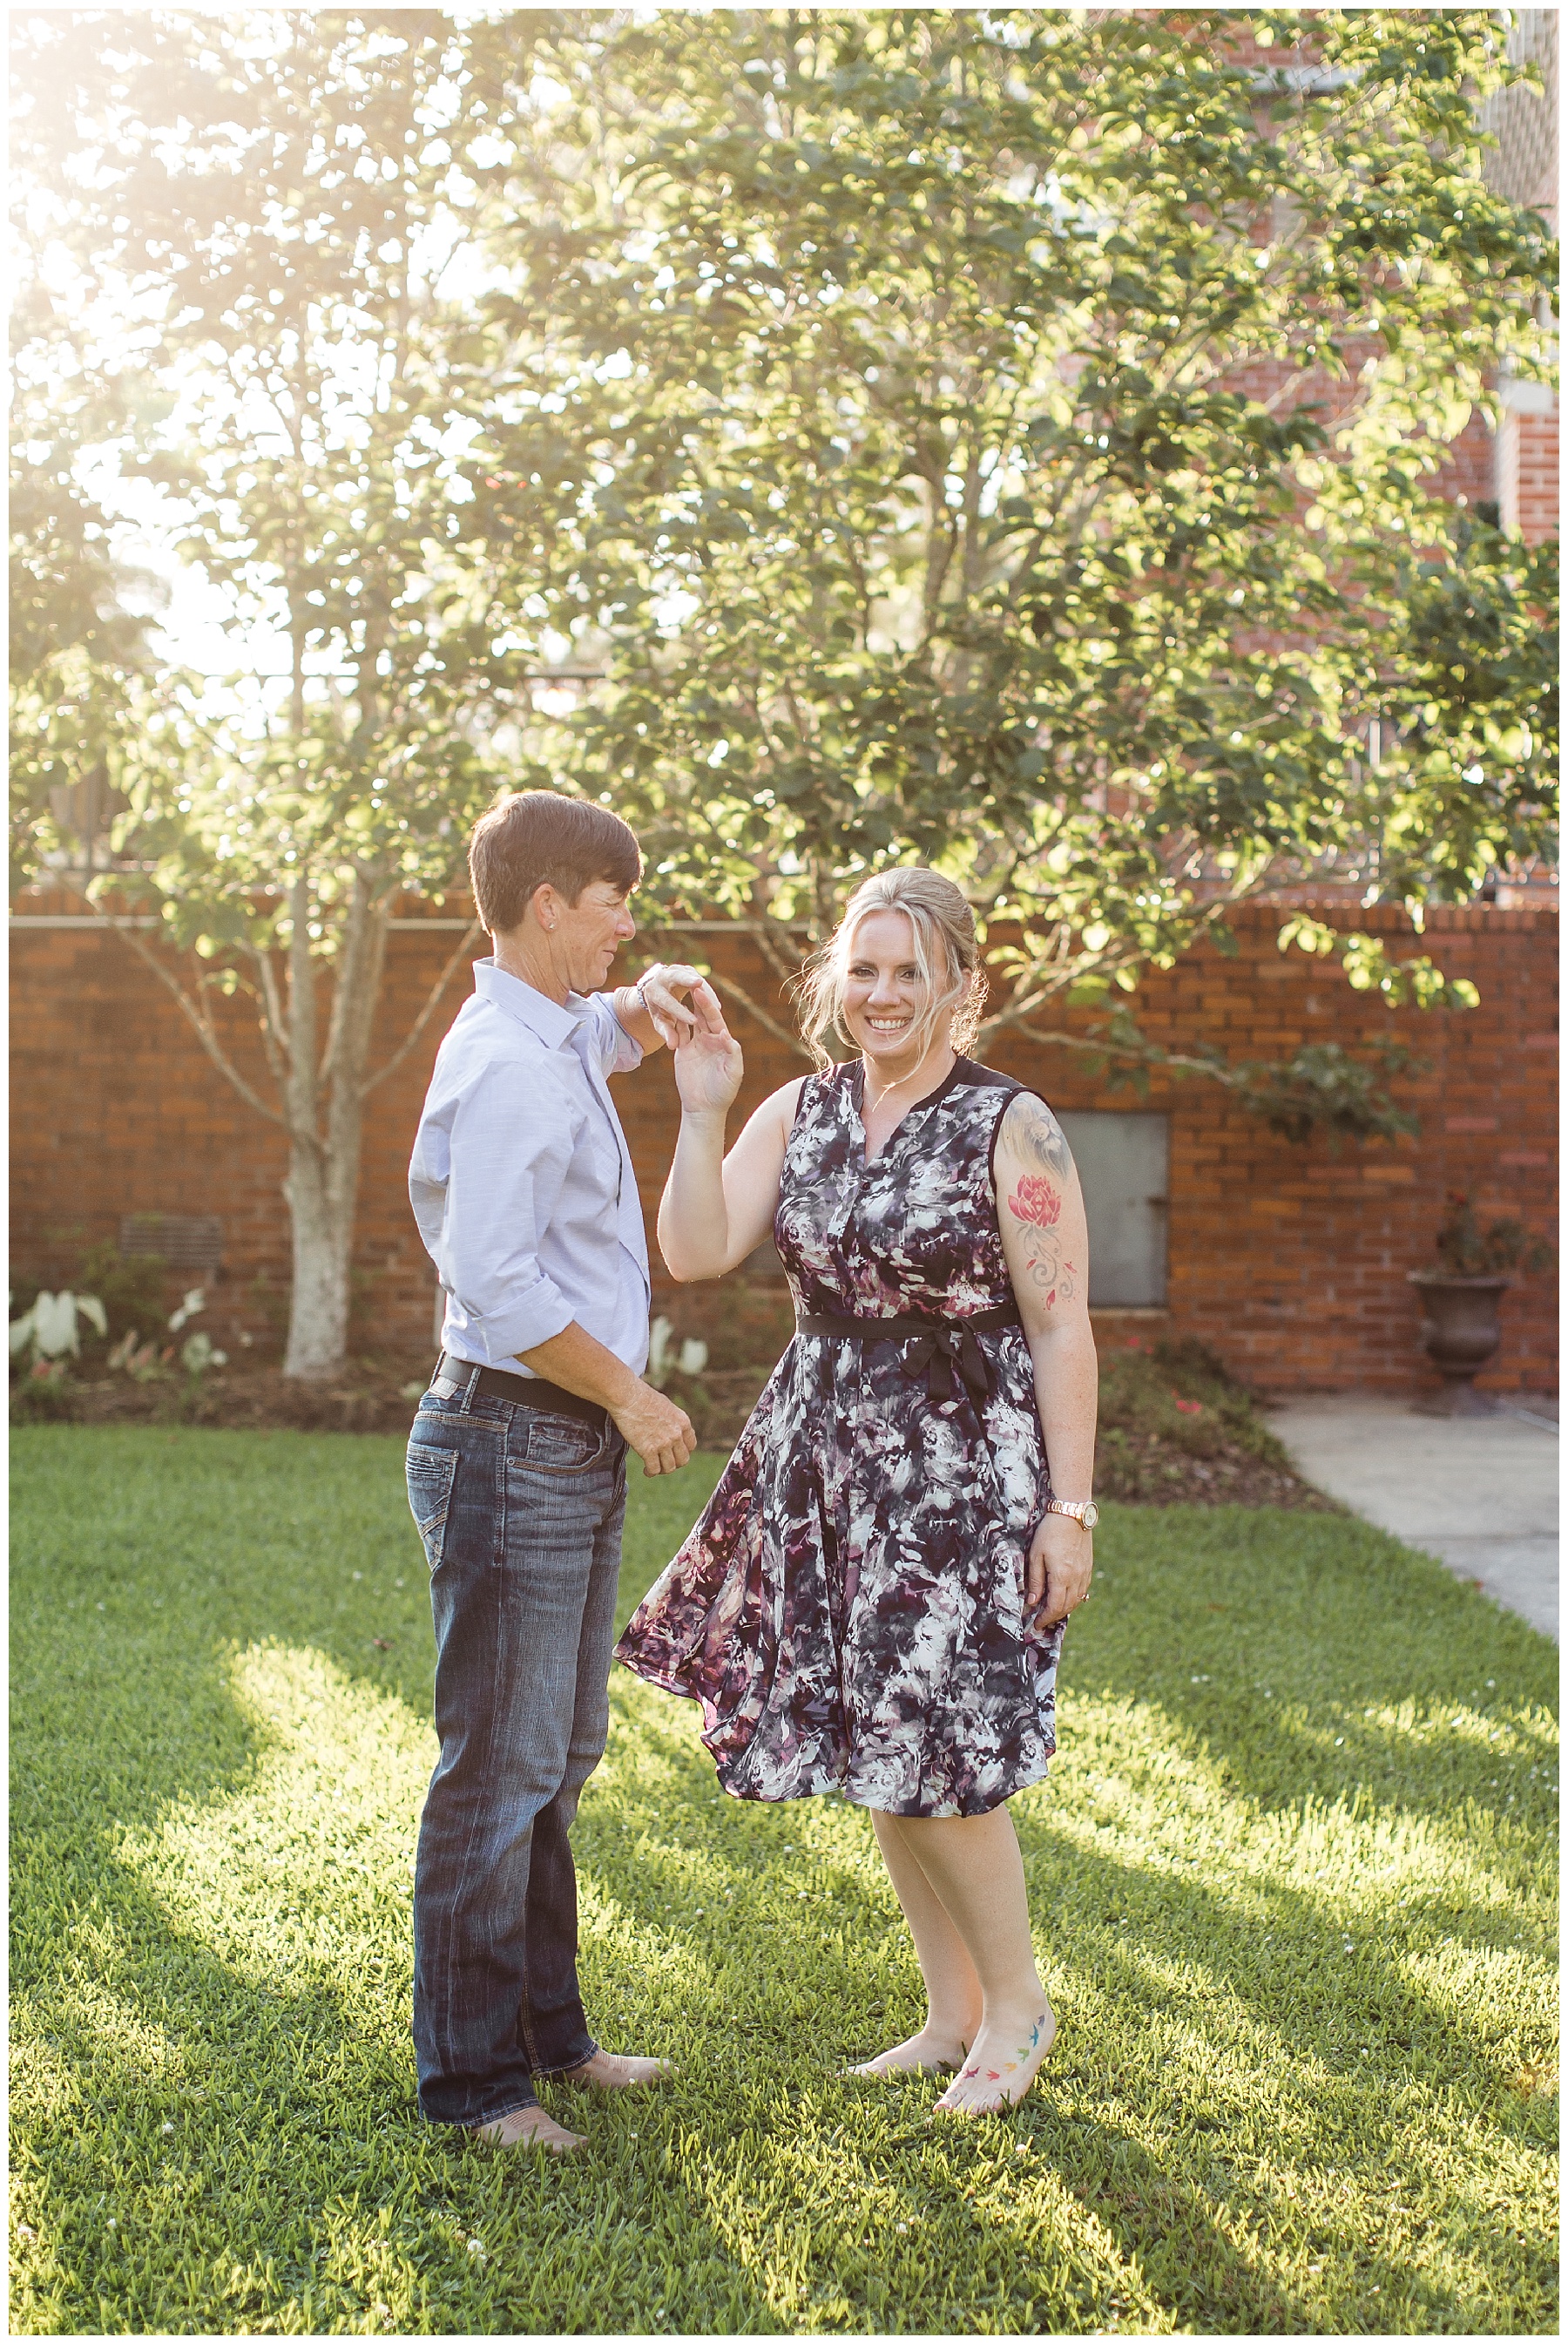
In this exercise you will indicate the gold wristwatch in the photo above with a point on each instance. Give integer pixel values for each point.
(1084, 1510)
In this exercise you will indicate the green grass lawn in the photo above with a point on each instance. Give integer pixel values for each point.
(1292, 1880)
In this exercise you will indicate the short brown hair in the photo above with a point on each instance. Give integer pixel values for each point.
(536, 838)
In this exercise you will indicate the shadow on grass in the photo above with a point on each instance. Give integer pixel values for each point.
(241, 2088)
(1207, 1611)
(222, 1677)
(1207, 2014)
(217, 2124)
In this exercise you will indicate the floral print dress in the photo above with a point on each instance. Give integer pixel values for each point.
(849, 1610)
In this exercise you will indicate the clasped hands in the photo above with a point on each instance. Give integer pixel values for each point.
(708, 1062)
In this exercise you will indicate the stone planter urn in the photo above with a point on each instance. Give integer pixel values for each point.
(1458, 1333)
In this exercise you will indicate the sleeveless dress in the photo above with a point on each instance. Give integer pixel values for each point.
(849, 1609)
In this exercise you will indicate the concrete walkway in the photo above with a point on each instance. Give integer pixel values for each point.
(1479, 1492)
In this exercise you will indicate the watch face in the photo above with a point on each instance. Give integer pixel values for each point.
(1089, 1515)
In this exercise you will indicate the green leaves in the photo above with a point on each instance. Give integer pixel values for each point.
(1321, 1087)
(1464, 1250)
(1369, 966)
(992, 467)
(1006, 441)
(257, 317)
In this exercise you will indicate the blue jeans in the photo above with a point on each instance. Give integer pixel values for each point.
(520, 1513)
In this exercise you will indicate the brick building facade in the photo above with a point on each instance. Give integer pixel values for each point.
(1288, 1260)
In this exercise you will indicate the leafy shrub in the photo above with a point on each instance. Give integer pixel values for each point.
(44, 1399)
(132, 1287)
(1172, 1419)
(1467, 1250)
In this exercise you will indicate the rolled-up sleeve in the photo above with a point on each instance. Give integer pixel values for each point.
(618, 1052)
(509, 1144)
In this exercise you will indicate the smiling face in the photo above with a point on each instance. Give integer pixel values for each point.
(584, 937)
(887, 1001)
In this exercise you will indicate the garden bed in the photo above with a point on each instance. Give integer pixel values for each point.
(1174, 1428)
(372, 1395)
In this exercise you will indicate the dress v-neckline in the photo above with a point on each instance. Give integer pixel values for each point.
(857, 1102)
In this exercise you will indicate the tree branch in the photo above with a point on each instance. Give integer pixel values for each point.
(727, 986)
(1152, 1055)
(1323, 1087)
(768, 945)
(302, 1091)
(191, 1009)
(432, 1003)
(272, 1035)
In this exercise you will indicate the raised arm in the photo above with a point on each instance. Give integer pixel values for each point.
(1045, 1237)
(718, 1208)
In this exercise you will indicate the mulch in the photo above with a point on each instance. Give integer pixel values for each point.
(381, 1394)
(370, 1396)
(1147, 1472)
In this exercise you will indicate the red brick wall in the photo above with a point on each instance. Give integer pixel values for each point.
(1289, 1260)
(1527, 492)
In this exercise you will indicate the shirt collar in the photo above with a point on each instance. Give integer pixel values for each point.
(554, 1024)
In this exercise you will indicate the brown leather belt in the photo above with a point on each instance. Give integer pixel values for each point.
(945, 1351)
(525, 1391)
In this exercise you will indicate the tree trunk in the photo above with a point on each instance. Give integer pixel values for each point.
(322, 1248)
(323, 1182)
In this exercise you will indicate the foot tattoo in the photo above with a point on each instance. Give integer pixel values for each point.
(993, 2079)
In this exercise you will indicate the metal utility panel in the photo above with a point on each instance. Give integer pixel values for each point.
(1123, 1164)
(181, 1240)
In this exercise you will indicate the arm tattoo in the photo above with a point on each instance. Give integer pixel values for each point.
(1036, 1199)
(1038, 1203)
(1035, 1132)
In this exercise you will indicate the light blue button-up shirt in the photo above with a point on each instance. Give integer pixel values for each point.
(521, 1179)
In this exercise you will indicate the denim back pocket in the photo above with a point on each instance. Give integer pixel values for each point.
(431, 1473)
(563, 1444)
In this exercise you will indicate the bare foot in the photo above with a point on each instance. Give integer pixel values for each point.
(612, 2071)
(925, 2054)
(1002, 2066)
(530, 2128)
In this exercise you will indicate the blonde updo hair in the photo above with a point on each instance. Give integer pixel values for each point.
(945, 954)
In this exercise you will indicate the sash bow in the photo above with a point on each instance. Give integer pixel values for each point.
(947, 1350)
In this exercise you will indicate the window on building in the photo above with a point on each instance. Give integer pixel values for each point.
(1123, 1163)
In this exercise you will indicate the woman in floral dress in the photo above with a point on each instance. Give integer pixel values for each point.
(873, 1602)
